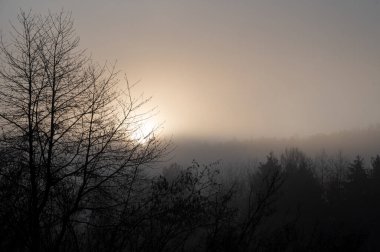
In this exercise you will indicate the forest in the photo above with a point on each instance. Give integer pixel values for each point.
(74, 177)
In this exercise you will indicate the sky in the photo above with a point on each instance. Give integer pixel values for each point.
(237, 69)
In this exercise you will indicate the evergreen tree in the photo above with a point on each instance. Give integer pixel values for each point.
(376, 167)
(356, 171)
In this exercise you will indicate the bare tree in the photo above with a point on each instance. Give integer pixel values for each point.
(66, 142)
(264, 186)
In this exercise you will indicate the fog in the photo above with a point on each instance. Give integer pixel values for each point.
(349, 144)
(261, 134)
(238, 69)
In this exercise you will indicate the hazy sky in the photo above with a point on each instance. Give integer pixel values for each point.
(238, 68)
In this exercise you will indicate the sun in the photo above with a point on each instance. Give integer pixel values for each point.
(144, 131)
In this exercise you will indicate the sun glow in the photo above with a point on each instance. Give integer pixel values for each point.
(144, 131)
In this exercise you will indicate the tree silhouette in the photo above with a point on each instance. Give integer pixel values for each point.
(264, 186)
(376, 167)
(356, 171)
(66, 143)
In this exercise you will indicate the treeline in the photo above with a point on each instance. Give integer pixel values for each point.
(290, 203)
(297, 203)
